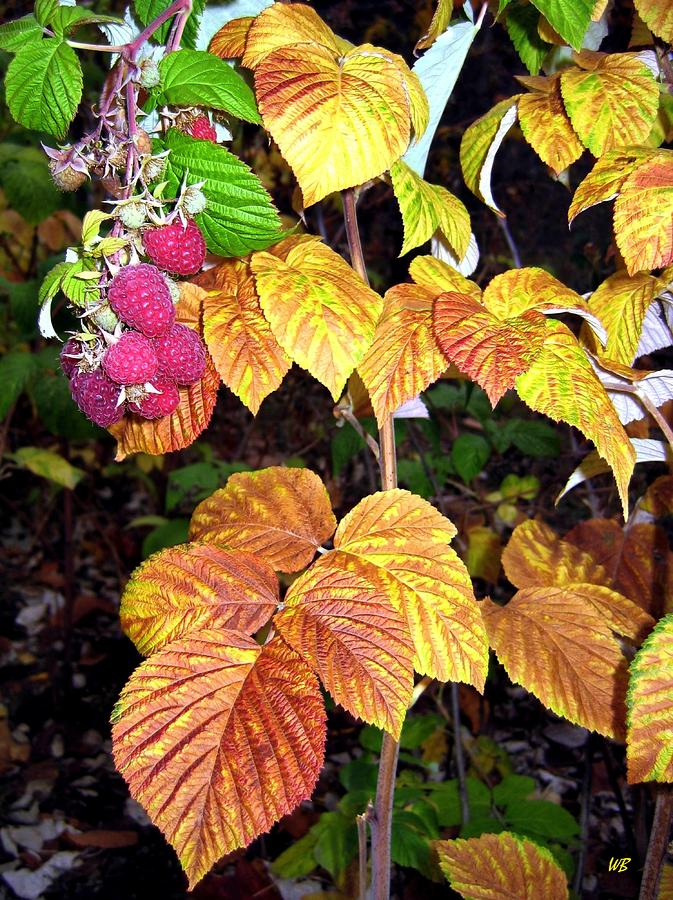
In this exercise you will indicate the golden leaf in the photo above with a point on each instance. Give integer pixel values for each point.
(546, 127)
(282, 24)
(643, 223)
(658, 16)
(605, 180)
(437, 276)
(437, 26)
(229, 41)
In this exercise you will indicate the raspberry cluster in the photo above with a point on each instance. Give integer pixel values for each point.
(138, 366)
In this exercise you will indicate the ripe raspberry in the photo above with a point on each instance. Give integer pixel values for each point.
(97, 397)
(140, 297)
(131, 360)
(202, 129)
(181, 355)
(179, 250)
(70, 354)
(156, 406)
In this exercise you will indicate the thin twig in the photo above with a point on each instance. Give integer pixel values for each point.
(659, 835)
(511, 243)
(362, 856)
(584, 814)
(458, 753)
(619, 795)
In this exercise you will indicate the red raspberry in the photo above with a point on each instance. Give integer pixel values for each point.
(179, 250)
(97, 396)
(71, 352)
(140, 297)
(156, 406)
(181, 354)
(131, 360)
(202, 129)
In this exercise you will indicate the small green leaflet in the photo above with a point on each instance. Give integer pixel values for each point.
(68, 18)
(25, 179)
(43, 86)
(148, 10)
(197, 78)
(570, 18)
(522, 22)
(240, 215)
(49, 465)
(20, 33)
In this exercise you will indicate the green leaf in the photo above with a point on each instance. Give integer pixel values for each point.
(19, 33)
(197, 78)
(49, 465)
(533, 438)
(570, 18)
(337, 842)
(513, 787)
(541, 818)
(27, 183)
(409, 843)
(299, 858)
(359, 775)
(148, 10)
(51, 284)
(67, 19)
(16, 370)
(469, 455)
(191, 484)
(354, 803)
(412, 476)
(43, 86)
(482, 824)
(169, 534)
(446, 799)
(522, 22)
(240, 215)
(418, 728)
(44, 10)
(51, 395)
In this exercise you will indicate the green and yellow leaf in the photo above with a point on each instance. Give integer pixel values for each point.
(479, 145)
(643, 222)
(612, 99)
(281, 515)
(438, 276)
(195, 587)
(545, 125)
(404, 358)
(283, 24)
(499, 866)
(353, 637)
(438, 24)
(658, 16)
(562, 384)
(649, 748)
(217, 738)
(245, 352)
(427, 208)
(321, 313)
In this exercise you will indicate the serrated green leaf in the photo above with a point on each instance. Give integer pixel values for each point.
(43, 86)
(513, 787)
(44, 10)
(67, 19)
(522, 22)
(197, 78)
(337, 842)
(76, 289)
(49, 465)
(299, 858)
(28, 186)
(16, 370)
(51, 284)
(541, 818)
(91, 225)
(533, 438)
(19, 33)
(570, 18)
(409, 843)
(107, 246)
(469, 455)
(446, 799)
(240, 215)
(148, 10)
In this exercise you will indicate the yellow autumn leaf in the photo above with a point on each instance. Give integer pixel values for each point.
(642, 220)
(280, 515)
(321, 313)
(245, 352)
(398, 541)
(282, 24)
(438, 276)
(606, 178)
(562, 384)
(545, 125)
(535, 556)
(218, 738)
(658, 16)
(229, 41)
(438, 24)
(500, 867)
(350, 633)
(649, 748)
(480, 143)
(404, 358)
(427, 208)
(612, 99)
(621, 303)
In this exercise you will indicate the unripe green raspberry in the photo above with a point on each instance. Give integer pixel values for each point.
(174, 288)
(193, 201)
(105, 319)
(149, 74)
(132, 215)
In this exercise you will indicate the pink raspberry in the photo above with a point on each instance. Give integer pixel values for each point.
(97, 396)
(141, 298)
(181, 354)
(156, 406)
(181, 251)
(70, 354)
(131, 360)
(202, 129)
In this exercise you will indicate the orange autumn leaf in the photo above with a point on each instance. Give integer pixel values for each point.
(246, 355)
(229, 41)
(500, 867)
(404, 358)
(606, 178)
(194, 587)
(282, 24)
(281, 515)
(320, 311)
(643, 225)
(546, 126)
(352, 636)
(217, 738)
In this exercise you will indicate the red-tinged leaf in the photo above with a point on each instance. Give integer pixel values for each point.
(352, 636)
(546, 126)
(605, 180)
(398, 541)
(281, 515)
(501, 866)
(536, 556)
(193, 587)
(643, 222)
(649, 748)
(245, 353)
(493, 352)
(229, 41)
(560, 648)
(218, 738)
(286, 23)
(404, 358)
